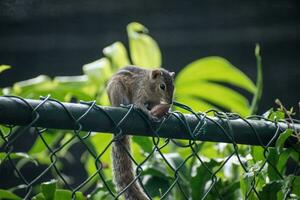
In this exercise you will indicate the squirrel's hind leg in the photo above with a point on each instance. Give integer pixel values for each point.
(116, 93)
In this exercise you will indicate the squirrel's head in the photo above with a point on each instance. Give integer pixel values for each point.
(163, 84)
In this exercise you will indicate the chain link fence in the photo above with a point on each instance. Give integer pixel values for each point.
(189, 134)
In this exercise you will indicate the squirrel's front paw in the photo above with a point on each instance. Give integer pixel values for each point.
(154, 118)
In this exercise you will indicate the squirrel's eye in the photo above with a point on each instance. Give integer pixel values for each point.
(162, 86)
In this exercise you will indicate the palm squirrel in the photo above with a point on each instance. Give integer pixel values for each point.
(146, 90)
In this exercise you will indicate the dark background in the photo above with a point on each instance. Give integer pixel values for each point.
(57, 37)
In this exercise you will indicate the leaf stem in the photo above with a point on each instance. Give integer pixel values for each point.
(259, 82)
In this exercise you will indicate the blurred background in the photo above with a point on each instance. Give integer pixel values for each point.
(57, 37)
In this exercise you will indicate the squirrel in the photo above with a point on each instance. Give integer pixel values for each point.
(146, 90)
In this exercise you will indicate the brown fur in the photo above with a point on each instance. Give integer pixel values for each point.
(137, 86)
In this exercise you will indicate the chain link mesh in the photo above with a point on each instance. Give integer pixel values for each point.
(26, 185)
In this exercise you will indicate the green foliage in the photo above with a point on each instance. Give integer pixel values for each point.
(259, 81)
(201, 177)
(6, 194)
(4, 67)
(18, 155)
(200, 83)
(144, 51)
(207, 83)
(49, 191)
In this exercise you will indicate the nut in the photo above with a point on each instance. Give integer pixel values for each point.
(160, 110)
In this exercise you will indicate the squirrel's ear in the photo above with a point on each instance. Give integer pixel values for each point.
(172, 74)
(156, 73)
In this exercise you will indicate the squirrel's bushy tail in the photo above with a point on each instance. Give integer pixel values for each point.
(123, 170)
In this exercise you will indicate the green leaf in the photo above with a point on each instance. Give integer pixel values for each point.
(144, 142)
(33, 87)
(74, 86)
(245, 185)
(39, 196)
(144, 51)
(159, 170)
(270, 190)
(103, 195)
(67, 195)
(193, 102)
(48, 189)
(216, 94)
(18, 155)
(276, 115)
(50, 136)
(201, 177)
(4, 67)
(257, 153)
(214, 69)
(283, 157)
(6, 194)
(100, 141)
(259, 81)
(227, 190)
(98, 71)
(176, 161)
(117, 55)
(273, 158)
(296, 185)
(282, 138)
(156, 185)
(202, 80)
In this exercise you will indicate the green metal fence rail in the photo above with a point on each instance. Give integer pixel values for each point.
(52, 114)
(48, 113)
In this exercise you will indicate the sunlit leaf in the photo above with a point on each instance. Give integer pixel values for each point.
(6, 194)
(195, 103)
(33, 88)
(48, 189)
(216, 94)
(4, 67)
(50, 138)
(103, 99)
(98, 71)
(39, 196)
(102, 195)
(117, 55)
(74, 86)
(144, 51)
(214, 69)
(145, 143)
(257, 153)
(100, 142)
(67, 195)
(276, 115)
(202, 79)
